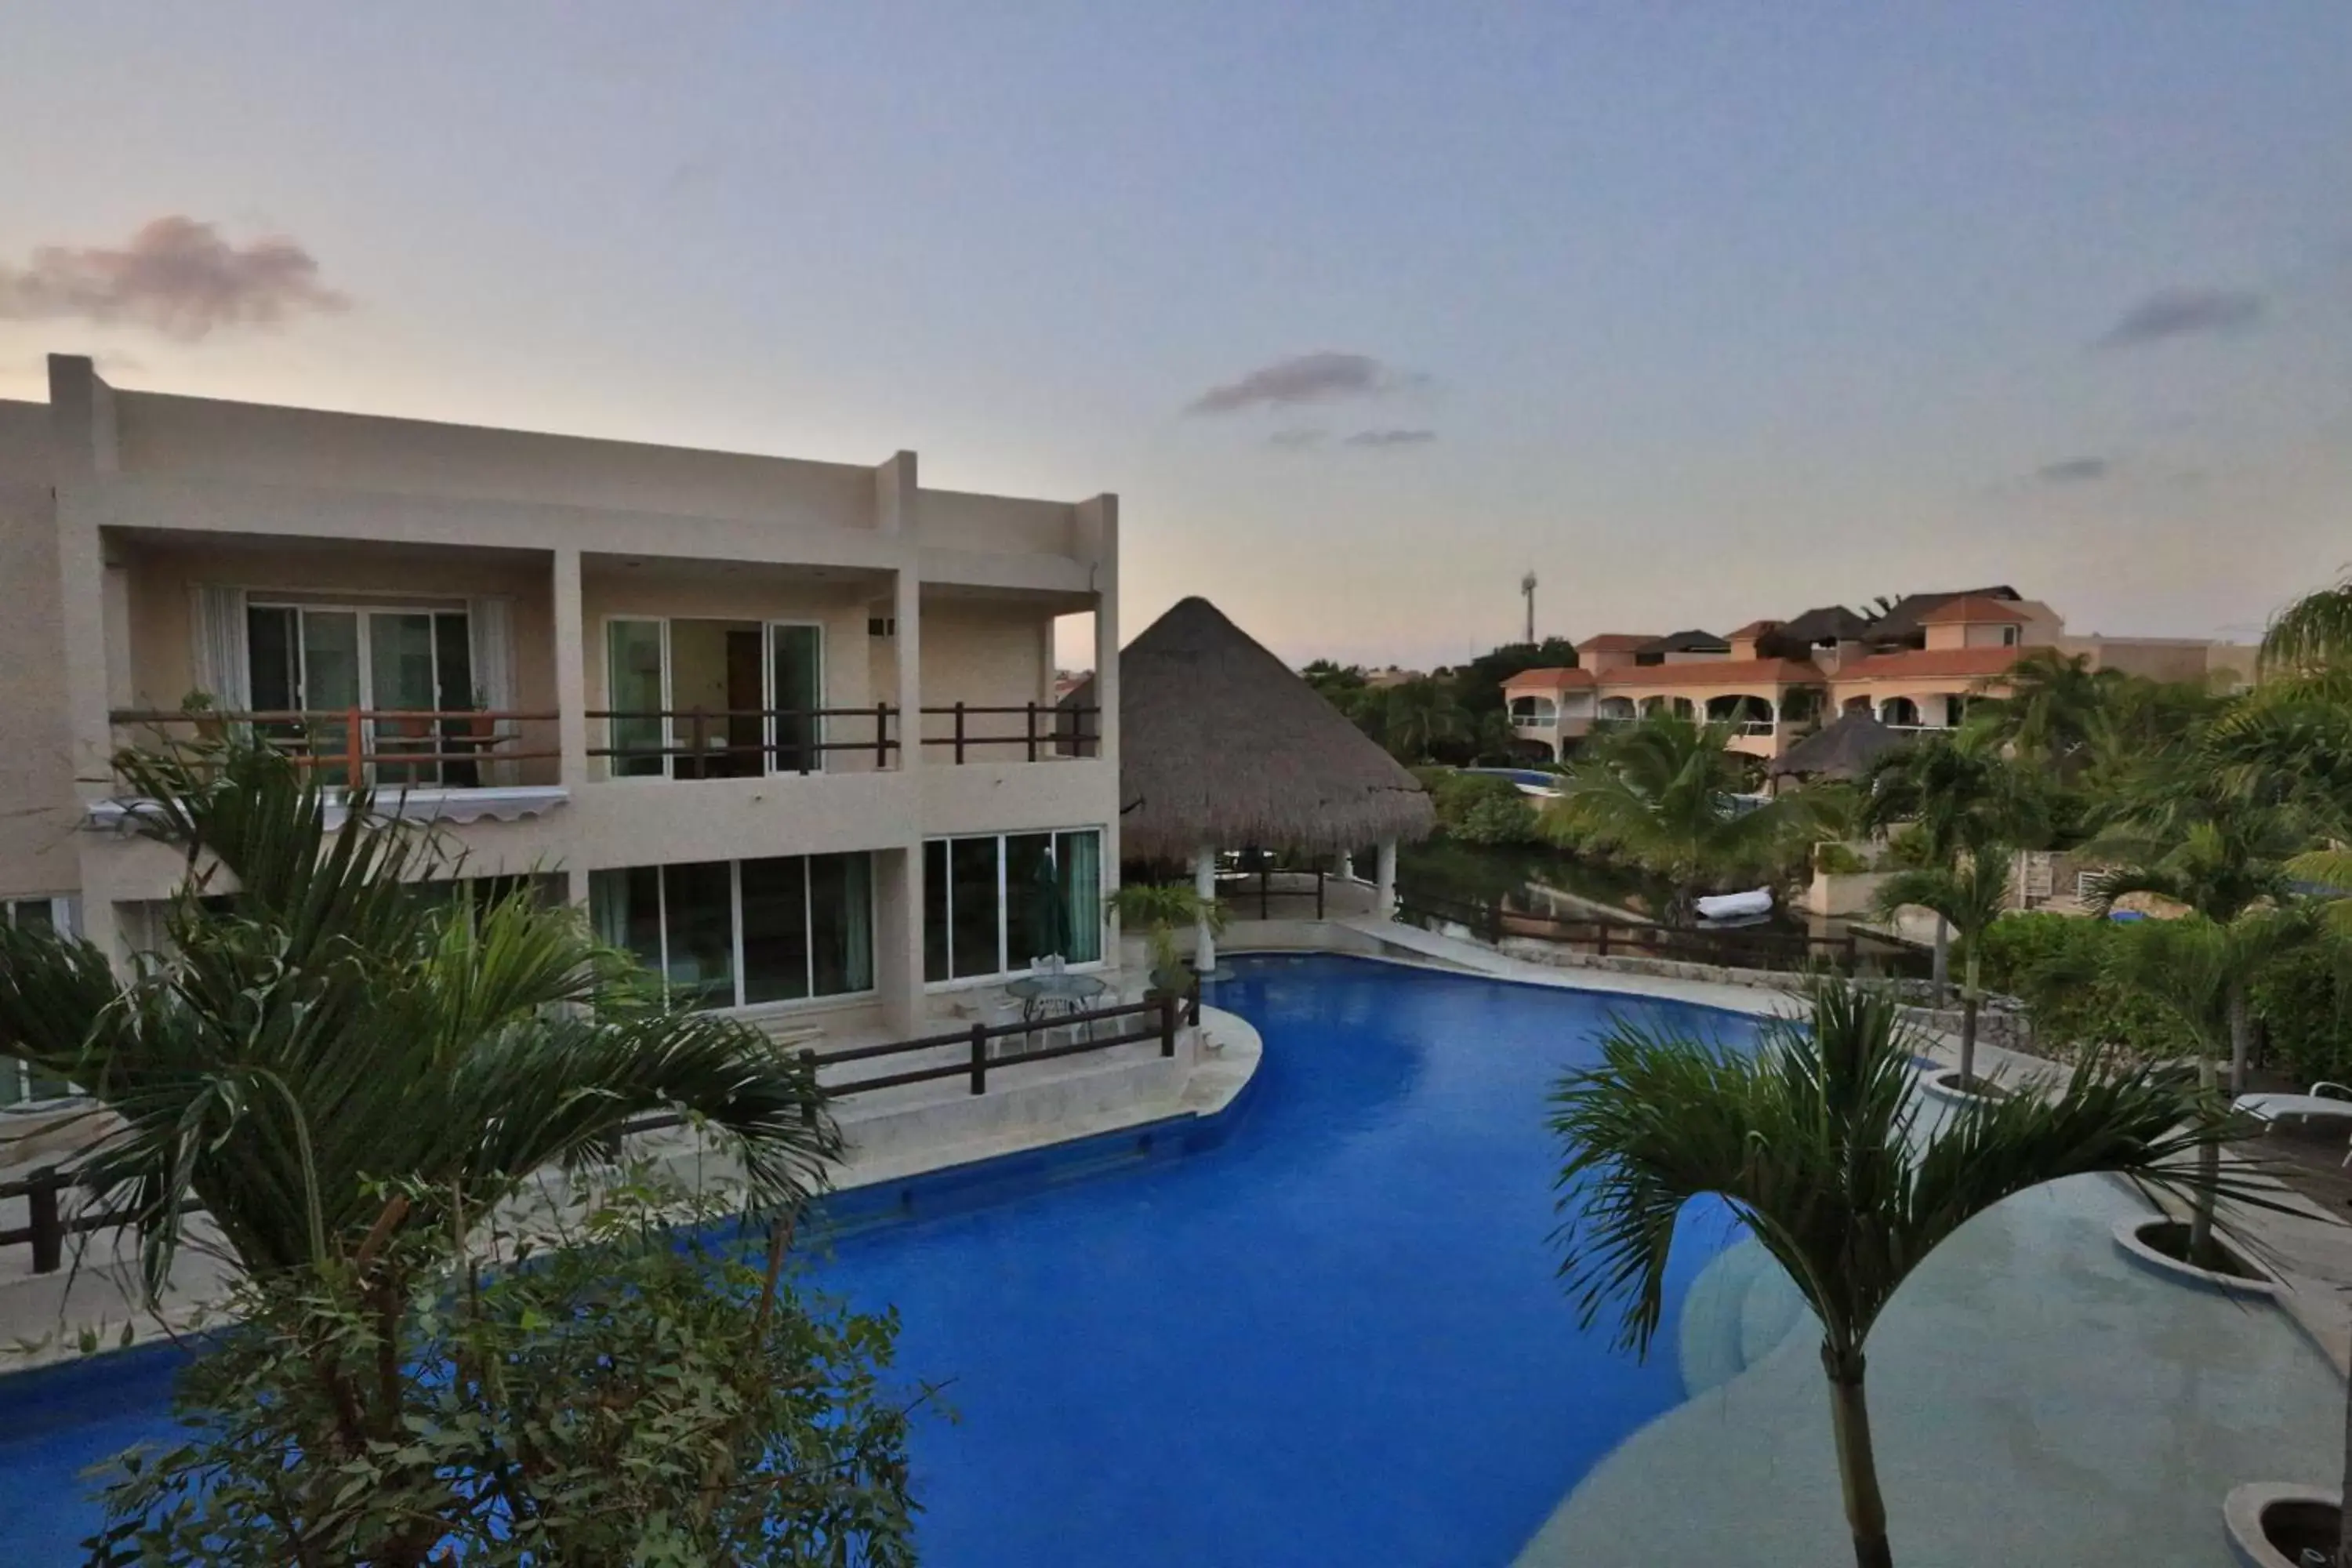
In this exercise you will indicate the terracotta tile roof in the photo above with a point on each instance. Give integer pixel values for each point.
(1754, 629)
(1972, 609)
(1725, 672)
(1558, 678)
(1615, 642)
(1932, 664)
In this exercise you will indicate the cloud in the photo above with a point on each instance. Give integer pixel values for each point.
(175, 274)
(1328, 377)
(2073, 471)
(1297, 440)
(1385, 440)
(2183, 313)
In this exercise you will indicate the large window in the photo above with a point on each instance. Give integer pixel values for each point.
(731, 933)
(997, 904)
(322, 659)
(695, 698)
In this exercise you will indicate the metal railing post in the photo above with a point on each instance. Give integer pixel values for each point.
(980, 1059)
(354, 748)
(1031, 721)
(1602, 951)
(959, 734)
(1168, 1025)
(808, 1110)
(48, 1224)
(881, 736)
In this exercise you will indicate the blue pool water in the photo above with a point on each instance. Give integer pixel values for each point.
(1332, 1336)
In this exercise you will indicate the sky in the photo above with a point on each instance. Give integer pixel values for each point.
(1703, 312)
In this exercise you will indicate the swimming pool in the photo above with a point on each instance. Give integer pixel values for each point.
(1332, 1337)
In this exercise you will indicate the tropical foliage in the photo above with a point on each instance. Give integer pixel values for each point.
(311, 1026)
(1969, 896)
(1456, 716)
(1479, 808)
(1814, 1137)
(1662, 794)
(617, 1394)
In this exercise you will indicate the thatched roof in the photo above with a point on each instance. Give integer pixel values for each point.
(1222, 743)
(1842, 751)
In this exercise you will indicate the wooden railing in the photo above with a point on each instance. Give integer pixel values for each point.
(47, 1225)
(1043, 725)
(361, 742)
(803, 753)
(1731, 948)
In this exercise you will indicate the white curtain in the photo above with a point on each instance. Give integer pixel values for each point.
(222, 668)
(489, 633)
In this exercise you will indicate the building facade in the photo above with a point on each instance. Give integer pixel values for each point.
(673, 684)
(1917, 666)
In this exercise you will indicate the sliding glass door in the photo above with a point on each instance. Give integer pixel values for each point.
(1000, 904)
(729, 934)
(326, 660)
(694, 698)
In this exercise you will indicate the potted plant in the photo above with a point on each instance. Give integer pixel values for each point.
(1162, 909)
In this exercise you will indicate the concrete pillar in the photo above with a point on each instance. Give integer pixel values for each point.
(570, 670)
(1204, 886)
(1384, 895)
(1346, 865)
(1097, 543)
(899, 937)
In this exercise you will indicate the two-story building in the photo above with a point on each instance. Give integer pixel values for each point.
(784, 728)
(1917, 666)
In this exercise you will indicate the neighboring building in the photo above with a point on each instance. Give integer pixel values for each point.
(1916, 667)
(675, 680)
(1392, 676)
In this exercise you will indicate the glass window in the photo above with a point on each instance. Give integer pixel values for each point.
(776, 930)
(841, 923)
(796, 688)
(269, 659)
(935, 909)
(975, 930)
(1002, 903)
(634, 693)
(699, 931)
(1033, 900)
(725, 935)
(1079, 865)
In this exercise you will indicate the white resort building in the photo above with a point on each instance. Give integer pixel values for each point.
(787, 727)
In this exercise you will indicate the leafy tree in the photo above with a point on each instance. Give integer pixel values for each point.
(1478, 685)
(311, 1026)
(1658, 794)
(2053, 704)
(1814, 1140)
(1969, 897)
(2195, 968)
(1419, 716)
(628, 1395)
(1954, 795)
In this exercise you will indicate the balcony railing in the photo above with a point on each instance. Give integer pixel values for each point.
(708, 742)
(382, 746)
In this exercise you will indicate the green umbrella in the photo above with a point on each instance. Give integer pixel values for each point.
(1046, 924)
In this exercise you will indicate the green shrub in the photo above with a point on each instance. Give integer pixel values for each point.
(2306, 1015)
(1479, 808)
(1838, 860)
(2055, 964)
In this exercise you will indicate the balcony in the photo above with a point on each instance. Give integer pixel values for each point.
(689, 743)
(426, 764)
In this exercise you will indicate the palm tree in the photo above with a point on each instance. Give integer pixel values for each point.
(1814, 1140)
(2219, 845)
(1957, 792)
(1967, 897)
(2052, 707)
(2195, 968)
(1658, 794)
(1418, 715)
(313, 1029)
(2311, 635)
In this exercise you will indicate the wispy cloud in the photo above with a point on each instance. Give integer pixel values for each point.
(1297, 440)
(175, 274)
(2171, 313)
(2074, 471)
(1326, 376)
(1385, 440)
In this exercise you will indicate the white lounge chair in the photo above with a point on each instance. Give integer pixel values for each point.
(2327, 1103)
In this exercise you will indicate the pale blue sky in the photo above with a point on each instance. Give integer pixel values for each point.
(1705, 311)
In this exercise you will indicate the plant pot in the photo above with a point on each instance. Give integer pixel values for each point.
(2270, 1523)
(2152, 1241)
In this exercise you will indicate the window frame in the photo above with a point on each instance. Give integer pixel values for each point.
(810, 998)
(359, 610)
(953, 982)
(769, 727)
